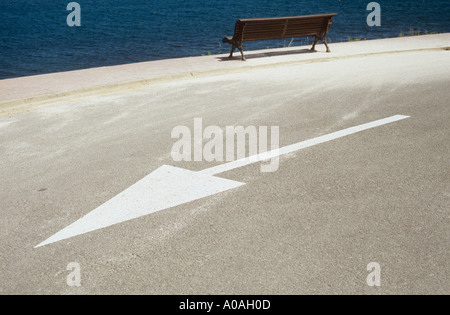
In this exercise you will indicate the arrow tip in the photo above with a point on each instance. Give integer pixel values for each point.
(164, 188)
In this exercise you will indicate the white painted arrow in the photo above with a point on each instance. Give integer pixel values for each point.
(170, 186)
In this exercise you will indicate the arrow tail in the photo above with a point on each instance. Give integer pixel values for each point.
(299, 146)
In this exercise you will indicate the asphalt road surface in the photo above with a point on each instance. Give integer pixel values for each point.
(311, 227)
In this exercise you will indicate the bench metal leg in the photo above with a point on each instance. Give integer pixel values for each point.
(232, 51)
(242, 53)
(316, 39)
(323, 39)
(325, 42)
(240, 49)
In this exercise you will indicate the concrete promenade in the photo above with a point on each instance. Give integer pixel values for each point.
(73, 83)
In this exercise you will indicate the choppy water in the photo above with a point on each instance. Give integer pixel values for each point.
(35, 39)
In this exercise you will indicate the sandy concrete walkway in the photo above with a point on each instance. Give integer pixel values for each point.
(30, 89)
(313, 226)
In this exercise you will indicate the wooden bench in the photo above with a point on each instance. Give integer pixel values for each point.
(246, 30)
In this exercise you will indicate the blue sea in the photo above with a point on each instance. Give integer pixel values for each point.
(35, 38)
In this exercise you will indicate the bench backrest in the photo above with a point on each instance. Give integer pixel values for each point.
(282, 27)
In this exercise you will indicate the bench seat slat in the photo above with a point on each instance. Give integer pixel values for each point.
(300, 17)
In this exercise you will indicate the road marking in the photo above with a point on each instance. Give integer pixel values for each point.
(169, 186)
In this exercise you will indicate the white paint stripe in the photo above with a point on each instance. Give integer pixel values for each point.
(299, 146)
